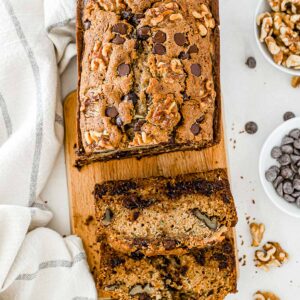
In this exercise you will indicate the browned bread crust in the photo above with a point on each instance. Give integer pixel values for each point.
(172, 108)
(159, 216)
(201, 274)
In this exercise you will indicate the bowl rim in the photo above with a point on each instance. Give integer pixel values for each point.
(288, 126)
(263, 48)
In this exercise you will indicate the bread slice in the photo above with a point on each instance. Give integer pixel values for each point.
(202, 274)
(163, 216)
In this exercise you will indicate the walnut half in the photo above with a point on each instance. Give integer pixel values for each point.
(271, 255)
(257, 233)
(265, 296)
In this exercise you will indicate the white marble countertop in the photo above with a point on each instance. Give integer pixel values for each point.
(262, 95)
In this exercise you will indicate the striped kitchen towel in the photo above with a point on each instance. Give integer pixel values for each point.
(37, 40)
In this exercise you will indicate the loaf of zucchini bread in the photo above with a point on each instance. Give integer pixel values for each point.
(159, 216)
(148, 77)
(200, 274)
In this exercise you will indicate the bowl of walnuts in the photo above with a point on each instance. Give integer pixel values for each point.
(277, 31)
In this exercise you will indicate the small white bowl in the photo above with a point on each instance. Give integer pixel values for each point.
(266, 161)
(263, 6)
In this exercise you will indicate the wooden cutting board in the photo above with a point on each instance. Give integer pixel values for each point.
(81, 183)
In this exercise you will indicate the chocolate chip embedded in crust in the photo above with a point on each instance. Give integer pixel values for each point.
(143, 33)
(138, 125)
(137, 255)
(169, 244)
(87, 24)
(140, 242)
(132, 97)
(184, 55)
(135, 215)
(118, 40)
(116, 261)
(179, 39)
(159, 37)
(111, 112)
(120, 28)
(193, 49)
(195, 129)
(201, 119)
(123, 70)
(159, 49)
(185, 96)
(196, 69)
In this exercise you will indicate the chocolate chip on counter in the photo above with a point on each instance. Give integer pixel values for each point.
(123, 70)
(288, 188)
(196, 69)
(195, 129)
(132, 97)
(87, 24)
(289, 198)
(143, 33)
(251, 62)
(288, 149)
(287, 140)
(118, 40)
(159, 37)
(120, 28)
(284, 160)
(159, 49)
(180, 39)
(251, 127)
(193, 49)
(138, 125)
(276, 152)
(107, 217)
(169, 244)
(271, 175)
(295, 134)
(288, 115)
(119, 121)
(184, 55)
(111, 112)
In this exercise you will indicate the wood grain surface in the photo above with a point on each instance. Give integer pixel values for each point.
(81, 183)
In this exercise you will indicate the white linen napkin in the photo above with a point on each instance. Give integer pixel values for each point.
(37, 40)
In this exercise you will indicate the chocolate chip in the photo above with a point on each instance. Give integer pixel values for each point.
(288, 115)
(200, 257)
(277, 181)
(287, 140)
(159, 49)
(270, 175)
(286, 172)
(251, 62)
(185, 96)
(159, 37)
(295, 134)
(184, 55)
(123, 69)
(169, 244)
(132, 97)
(296, 184)
(135, 20)
(126, 15)
(288, 188)
(138, 125)
(276, 152)
(120, 28)
(195, 129)
(140, 242)
(118, 40)
(137, 255)
(289, 198)
(87, 24)
(179, 39)
(279, 190)
(251, 127)
(193, 49)
(284, 160)
(201, 119)
(144, 296)
(111, 112)
(297, 144)
(196, 69)
(119, 121)
(288, 149)
(136, 215)
(143, 33)
(116, 261)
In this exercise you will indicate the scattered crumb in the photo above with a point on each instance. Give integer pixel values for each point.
(242, 177)
(253, 201)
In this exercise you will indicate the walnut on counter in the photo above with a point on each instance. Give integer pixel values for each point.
(265, 296)
(257, 233)
(271, 255)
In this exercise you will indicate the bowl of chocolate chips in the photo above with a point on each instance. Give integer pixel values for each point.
(279, 167)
